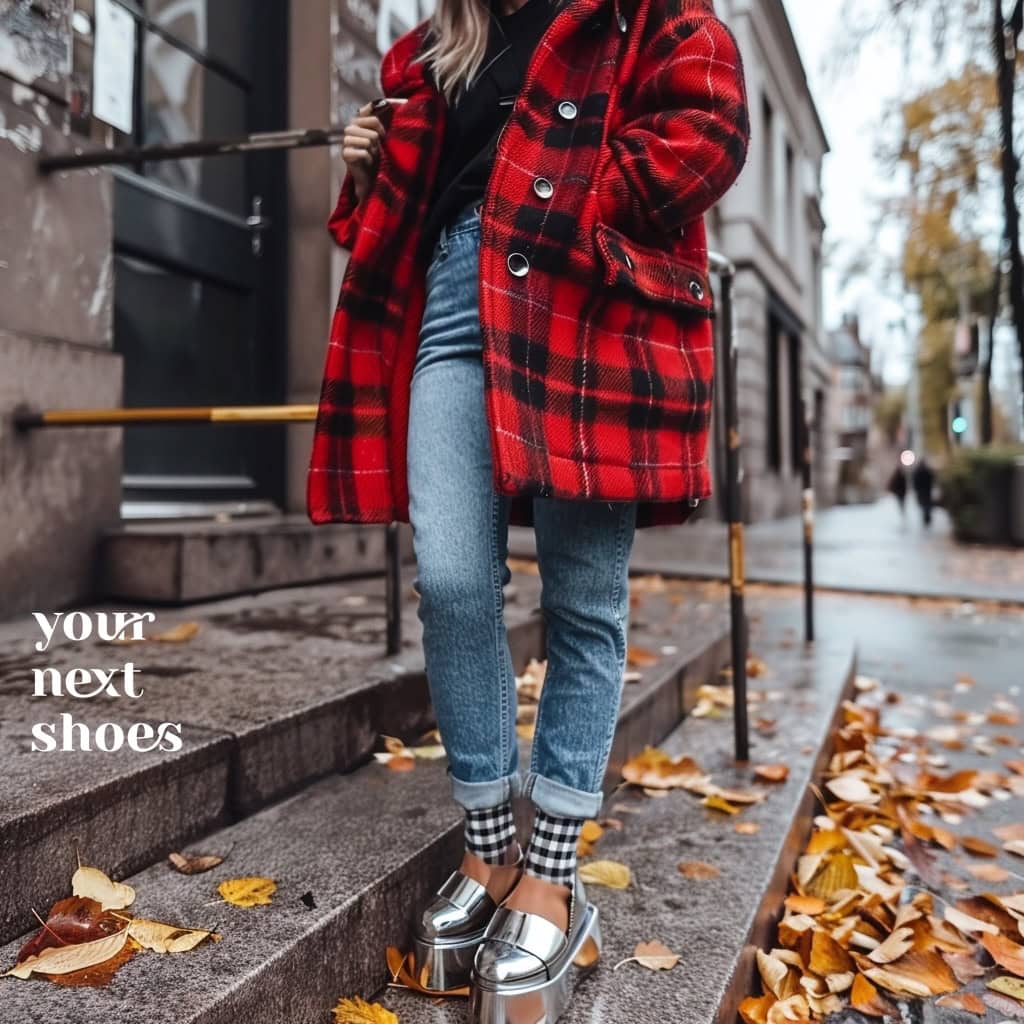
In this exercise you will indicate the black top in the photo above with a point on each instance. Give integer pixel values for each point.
(478, 114)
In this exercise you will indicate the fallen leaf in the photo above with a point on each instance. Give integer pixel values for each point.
(77, 957)
(179, 634)
(654, 769)
(639, 657)
(74, 920)
(167, 938)
(1006, 953)
(403, 972)
(772, 772)
(989, 872)
(99, 975)
(194, 864)
(248, 892)
(1012, 987)
(754, 1009)
(747, 828)
(915, 974)
(866, 999)
(968, 924)
(93, 884)
(893, 947)
(978, 847)
(1015, 846)
(609, 873)
(790, 1011)
(655, 956)
(359, 1011)
(1009, 832)
(698, 871)
(718, 803)
(852, 790)
(966, 1001)
(964, 966)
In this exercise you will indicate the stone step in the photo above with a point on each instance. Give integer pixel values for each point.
(715, 925)
(183, 561)
(273, 691)
(369, 846)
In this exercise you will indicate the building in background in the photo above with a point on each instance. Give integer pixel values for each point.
(212, 281)
(855, 393)
(770, 224)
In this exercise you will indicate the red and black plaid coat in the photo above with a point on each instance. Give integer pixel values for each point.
(598, 359)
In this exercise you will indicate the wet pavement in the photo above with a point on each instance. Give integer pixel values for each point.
(858, 548)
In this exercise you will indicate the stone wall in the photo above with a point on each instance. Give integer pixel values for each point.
(59, 487)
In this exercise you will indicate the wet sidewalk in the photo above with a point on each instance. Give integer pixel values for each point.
(859, 548)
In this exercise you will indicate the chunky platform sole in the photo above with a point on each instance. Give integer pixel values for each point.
(443, 964)
(540, 999)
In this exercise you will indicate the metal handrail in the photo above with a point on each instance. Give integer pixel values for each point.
(26, 418)
(302, 138)
(728, 359)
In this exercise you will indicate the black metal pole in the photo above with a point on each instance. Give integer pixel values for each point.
(728, 360)
(393, 590)
(299, 139)
(807, 508)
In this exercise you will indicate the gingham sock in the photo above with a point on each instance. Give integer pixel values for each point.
(490, 831)
(551, 854)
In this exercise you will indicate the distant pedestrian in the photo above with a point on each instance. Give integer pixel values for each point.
(898, 488)
(924, 481)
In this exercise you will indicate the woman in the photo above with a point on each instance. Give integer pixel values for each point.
(523, 336)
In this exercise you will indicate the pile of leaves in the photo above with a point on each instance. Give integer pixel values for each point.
(864, 924)
(87, 937)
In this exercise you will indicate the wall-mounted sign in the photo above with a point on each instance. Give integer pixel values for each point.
(113, 67)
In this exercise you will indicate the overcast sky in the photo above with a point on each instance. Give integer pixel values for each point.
(851, 108)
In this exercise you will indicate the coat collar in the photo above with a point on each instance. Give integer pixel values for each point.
(403, 75)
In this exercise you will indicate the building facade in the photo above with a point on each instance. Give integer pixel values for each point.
(770, 225)
(211, 281)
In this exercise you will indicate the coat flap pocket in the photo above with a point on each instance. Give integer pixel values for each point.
(659, 275)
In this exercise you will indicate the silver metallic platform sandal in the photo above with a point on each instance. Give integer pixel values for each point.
(526, 968)
(450, 928)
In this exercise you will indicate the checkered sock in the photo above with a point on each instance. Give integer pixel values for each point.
(551, 854)
(490, 831)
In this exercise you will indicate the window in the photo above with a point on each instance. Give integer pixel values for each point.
(768, 198)
(191, 82)
(773, 446)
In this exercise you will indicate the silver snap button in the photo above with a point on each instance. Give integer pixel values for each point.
(629, 262)
(543, 188)
(622, 22)
(567, 109)
(518, 264)
(696, 290)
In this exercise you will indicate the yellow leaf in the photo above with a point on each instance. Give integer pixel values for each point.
(606, 872)
(359, 1011)
(1013, 987)
(181, 633)
(835, 874)
(167, 938)
(248, 892)
(754, 1009)
(94, 885)
(77, 957)
(717, 803)
(894, 946)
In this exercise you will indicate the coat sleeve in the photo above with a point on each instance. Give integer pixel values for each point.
(685, 129)
(343, 224)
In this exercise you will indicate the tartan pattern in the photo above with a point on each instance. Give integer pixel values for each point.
(551, 854)
(599, 361)
(490, 831)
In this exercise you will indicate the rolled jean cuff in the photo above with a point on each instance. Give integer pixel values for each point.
(560, 800)
(474, 796)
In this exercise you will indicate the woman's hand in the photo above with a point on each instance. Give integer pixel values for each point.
(360, 147)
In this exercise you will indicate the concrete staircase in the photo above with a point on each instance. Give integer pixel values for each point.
(181, 561)
(283, 696)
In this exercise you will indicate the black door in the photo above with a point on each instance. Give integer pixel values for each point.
(199, 299)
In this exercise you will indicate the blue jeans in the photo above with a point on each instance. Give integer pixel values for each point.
(460, 537)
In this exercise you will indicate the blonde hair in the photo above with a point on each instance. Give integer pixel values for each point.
(457, 32)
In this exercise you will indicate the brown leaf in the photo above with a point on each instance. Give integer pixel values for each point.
(964, 966)
(655, 956)
(1008, 833)
(639, 657)
(403, 972)
(698, 871)
(827, 956)
(989, 872)
(772, 772)
(894, 946)
(988, 910)
(811, 905)
(754, 1009)
(866, 999)
(654, 769)
(915, 974)
(77, 957)
(1006, 953)
(978, 847)
(967, 1001)
(194, 864)
(747, 828)
(71, 921)
(167, 938)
